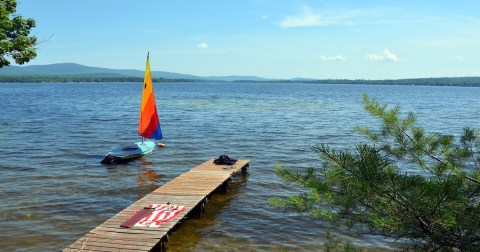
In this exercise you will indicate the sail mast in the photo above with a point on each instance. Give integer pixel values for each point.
(149, 123)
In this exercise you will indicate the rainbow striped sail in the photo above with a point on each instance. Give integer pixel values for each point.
(149, 123)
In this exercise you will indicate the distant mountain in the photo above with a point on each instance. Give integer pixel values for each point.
(71, 72)
(72, 69)
(235, 78)
(63, 69)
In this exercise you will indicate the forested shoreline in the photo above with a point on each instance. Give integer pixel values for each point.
(62, 79)
(450, 81)
(447, 81)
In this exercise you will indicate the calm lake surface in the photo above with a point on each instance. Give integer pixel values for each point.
(52, 136)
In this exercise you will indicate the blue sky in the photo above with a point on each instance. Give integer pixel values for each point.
(268, 38)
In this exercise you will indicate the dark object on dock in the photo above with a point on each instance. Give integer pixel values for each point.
(137, 217)
(225, 160)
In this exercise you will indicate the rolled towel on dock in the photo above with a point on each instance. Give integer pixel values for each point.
(162, 213)
(137, 216)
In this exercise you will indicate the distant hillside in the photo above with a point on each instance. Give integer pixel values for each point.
(68, 70)
(65, 69)
(71, 72)
(235, 78)
(445, 81)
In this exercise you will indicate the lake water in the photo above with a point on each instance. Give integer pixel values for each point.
(52, 137)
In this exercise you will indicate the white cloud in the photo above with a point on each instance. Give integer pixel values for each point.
(459, 57)
(333, 58)
(202, 45)
(390, 56)
(264, 17)
(375, 57)
(386, 56)
(309, 18)
(305, 20)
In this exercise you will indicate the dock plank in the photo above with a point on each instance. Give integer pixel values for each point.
(188, 189)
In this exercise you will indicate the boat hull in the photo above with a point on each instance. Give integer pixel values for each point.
(126, 153)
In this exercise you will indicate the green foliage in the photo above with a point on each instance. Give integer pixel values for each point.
(81, 78)
(442, 81)
(15, 42)
(334, 244)
(369, 190)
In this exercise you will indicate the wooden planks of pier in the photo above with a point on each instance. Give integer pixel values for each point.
(189, 189)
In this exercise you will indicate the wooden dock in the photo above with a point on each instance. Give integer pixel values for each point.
(189, 189)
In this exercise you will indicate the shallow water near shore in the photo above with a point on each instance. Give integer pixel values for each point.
(52, 137)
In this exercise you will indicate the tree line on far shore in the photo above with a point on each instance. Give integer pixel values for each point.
(447, 81)
(62, 79)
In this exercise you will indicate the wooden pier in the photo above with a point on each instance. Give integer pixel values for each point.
(189, 189)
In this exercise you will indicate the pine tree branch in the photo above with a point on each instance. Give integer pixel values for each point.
(429, 154)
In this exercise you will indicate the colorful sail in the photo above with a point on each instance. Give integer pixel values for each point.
(149, 123)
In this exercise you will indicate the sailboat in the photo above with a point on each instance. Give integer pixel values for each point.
(148, 127)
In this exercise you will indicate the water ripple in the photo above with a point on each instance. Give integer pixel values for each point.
(52, 137)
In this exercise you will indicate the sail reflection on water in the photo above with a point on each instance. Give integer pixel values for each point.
(148, 179)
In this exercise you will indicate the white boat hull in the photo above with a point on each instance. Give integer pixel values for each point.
(128, 152)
